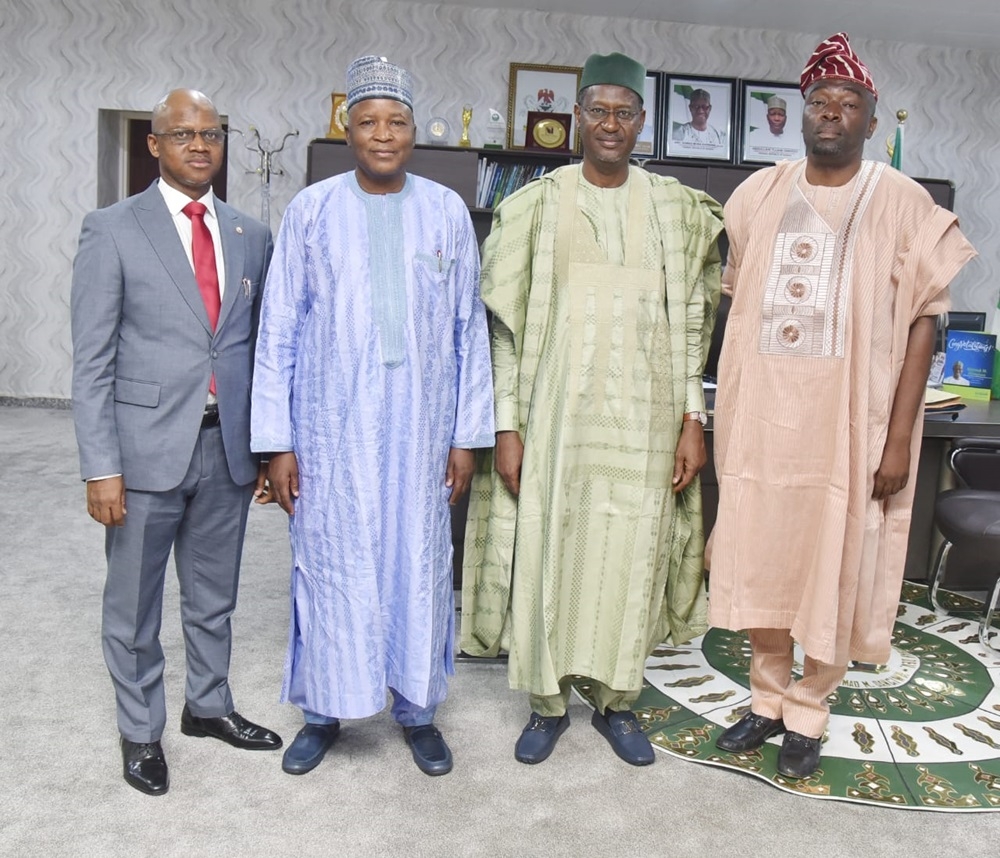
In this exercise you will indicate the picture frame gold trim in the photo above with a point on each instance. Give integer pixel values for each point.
(338, 116)
(540, 87)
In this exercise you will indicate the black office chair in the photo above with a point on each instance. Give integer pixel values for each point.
(970, 516)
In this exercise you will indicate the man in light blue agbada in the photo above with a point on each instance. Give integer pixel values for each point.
(372, 385)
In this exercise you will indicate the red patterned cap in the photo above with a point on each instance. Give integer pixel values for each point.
(834, 59)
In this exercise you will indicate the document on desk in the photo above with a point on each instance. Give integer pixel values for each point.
(941, 404)
(936, 399)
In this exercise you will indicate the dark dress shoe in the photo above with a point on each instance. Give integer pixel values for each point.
(625, 736)
(309, 747)
(538, 738)
(233, 729)
(749, 733)
(799, 755)
(430, 752)
(145, 767)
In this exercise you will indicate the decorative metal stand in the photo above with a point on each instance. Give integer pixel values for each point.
(262, 147)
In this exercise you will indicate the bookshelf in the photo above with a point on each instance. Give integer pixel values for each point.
(498, 177)
(482, 177)
(461, 169)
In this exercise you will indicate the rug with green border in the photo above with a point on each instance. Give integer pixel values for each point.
(921, 732)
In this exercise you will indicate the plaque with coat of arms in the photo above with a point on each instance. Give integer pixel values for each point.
(549, 132)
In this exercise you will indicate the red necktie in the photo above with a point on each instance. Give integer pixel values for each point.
(205, 272)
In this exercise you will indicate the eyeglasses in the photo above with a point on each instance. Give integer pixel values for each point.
(600, 115)
(184, 136)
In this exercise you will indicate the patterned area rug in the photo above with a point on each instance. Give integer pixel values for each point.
(922, 732)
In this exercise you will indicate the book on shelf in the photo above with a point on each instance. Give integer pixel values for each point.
(496, 180)
(968, 365)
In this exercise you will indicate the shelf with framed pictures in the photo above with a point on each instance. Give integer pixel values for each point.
(482, 177)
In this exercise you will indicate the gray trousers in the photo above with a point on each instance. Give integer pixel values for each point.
(203, 520)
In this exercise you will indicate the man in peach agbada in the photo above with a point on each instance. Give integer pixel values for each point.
(837, 268)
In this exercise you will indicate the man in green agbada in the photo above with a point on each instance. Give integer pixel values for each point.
(584, 542)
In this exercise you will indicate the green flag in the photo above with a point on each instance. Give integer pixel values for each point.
(897, 149)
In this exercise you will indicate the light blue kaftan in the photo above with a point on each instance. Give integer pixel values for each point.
(372, 362)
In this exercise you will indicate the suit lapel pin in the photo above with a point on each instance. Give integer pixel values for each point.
(239, 230)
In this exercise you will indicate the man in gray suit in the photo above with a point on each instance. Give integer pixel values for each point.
(161, 403)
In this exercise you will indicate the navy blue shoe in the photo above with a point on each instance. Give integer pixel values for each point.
(430, 751)
(538, 738)
(625, 736)
(310, 746)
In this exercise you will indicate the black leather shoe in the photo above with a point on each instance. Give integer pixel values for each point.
(429, 749)
(625, 736)
(799, 755)
(309, 747)
(145, 767)
(539, 736)
(233, 729)
(749, 733)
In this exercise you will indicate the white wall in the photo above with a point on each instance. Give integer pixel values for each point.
(275, 64)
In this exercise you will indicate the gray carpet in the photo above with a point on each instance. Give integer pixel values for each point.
(61, 791)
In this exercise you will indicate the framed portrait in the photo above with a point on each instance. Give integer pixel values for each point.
(699, 117)
(648, 144)
(771, 122)
(338, 117)
(539, 89)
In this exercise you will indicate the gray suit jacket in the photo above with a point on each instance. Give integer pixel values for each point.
(143, 351)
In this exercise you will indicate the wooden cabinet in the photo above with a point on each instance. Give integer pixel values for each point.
(458, 169)
(451, 166)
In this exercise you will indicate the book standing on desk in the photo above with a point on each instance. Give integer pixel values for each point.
(968, 366)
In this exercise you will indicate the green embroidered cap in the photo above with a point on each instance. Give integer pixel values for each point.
(614, 69)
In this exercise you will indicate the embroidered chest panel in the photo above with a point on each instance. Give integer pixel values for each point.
(806, 301)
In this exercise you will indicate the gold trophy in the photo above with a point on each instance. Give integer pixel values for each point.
(466, 119)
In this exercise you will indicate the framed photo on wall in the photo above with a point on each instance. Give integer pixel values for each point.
(771, 124)
(699, 117)
(539, 88)
(648, 143)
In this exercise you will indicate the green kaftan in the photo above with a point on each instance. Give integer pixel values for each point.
(603, 303)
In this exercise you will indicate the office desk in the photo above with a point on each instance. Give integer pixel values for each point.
(978, 419)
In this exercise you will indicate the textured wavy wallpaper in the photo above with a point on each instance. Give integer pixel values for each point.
(275, 64)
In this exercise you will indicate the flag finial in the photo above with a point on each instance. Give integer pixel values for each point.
(894, 143)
